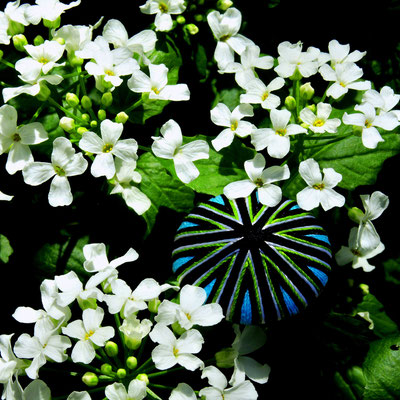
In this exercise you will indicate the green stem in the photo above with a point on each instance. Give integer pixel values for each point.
(38, 111)
(156, 385)
(160, 373)
(133, 106)
(7, 63)
(296, 91)
(66, 112)
(152, 394)
(324, 95)
(121, 335)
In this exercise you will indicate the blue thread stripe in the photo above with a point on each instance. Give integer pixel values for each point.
(209, 287)
(292, 308)
(296, 207)
(320, 275)
(323, 238)
(245, 313)
(179, 262)
(218, 200)
(186, 224)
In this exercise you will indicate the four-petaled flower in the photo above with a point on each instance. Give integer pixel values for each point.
(163, 10)
(319, 122)
(170, 146)
(260, 179)
(136, 391)
(319, 190)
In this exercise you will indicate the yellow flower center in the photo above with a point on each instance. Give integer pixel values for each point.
(281, 132)
(319, 186)
(318, 122)
(342, 84)
(175, 351)
(90, 333)
(234, 125)
(59, 171)
(368, 124)
(109, 72)
(43, 60)
(264, 96)
(259, 182)
(163, 7)
(107, 148)
(155, 90)
(16, 137)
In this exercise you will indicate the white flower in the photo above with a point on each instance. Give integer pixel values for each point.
(136, 391)
(125, 174)
(172, 351)
(183, 392)
(142, 43)
(344, 77)
(356, 255)
(89, 333)
(9, 364)
(64, 163)
(16, 140)
(43, 346)
(96, 261)
(277, 138)
(13, 15)
(222, 116)
(249, 340)
(79, 396)
(156, 84)
(320, 122)
(106, 65)
(219, 390)
(319, 190)
(292, 59)
(163, 10)
(135, 330)
(260, 179)
(225, 28)
(129, 301)
(369, 121)
(5, 197)
(72, 289)
(249, 60)
(106, 147)
(340, 53)
(374, 205)
(47, 9)
(259, 93)
(169, 146)
(37, 389)
(383, 101)
(191, 309)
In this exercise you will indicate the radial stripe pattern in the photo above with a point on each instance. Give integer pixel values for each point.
(261, 264)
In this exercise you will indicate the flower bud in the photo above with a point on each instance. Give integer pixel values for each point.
(192, 29)
(60, 40)
(19, 42)
(290, 103)
(85, 117)
(93, 123)
(90, 379)
(106, 99)
(143, 377)
(1, 54)
(356, 376)
(121, 373)
(132, 343)
(74, 60)
(121, 117)
(198, 17)
(225, 358)
(52, 24)
(180, 19)
(312, 107)
(68, 124)
(106, 369)
(38, 40)
(355, 214)
(85, 303)
(131, 362)
(81, 130)
(44, 92)
(153, 305)
(101, 114)
(111, 349)
(15, 28)
(364, 288)
(223, 5)
(306, 91)
(86, 102)
(176, 327)
(72, 99)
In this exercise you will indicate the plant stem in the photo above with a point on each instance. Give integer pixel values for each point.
(7, 63)
(133, 106)
(66, 112)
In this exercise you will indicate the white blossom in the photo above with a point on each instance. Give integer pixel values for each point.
(383, 101)
(10, 19)
(319, 189)
(163, 9)
(340, 53)
(261, 179)
(64, 164)
(182, 392)
(48, 10)
(319, 122)
(117, 391)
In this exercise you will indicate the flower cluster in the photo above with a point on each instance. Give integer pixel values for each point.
(174, 326)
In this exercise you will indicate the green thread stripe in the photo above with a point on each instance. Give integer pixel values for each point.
(306, 242)
(217, 211)
(224, 279)
(235, 294)
(236, 212)
(256, 287)
(211, 221)
(279, 209)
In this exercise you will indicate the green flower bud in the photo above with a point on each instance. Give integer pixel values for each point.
(223, 5)
(176, 327)
(355, 214)
(296, 76)
(132, 343)
(38, 40)
(356, 376)
(143, 377)
(192, 29)
(72, 99)
(312, 107)
(74, 60)
(44, 92)
(86, 102)
(19, 42)
(60, 40)
(225, 358)
(306, 91)
(180, 19)
(121, 373)
(290, 103)
(68, 124)
(85, 117)
(93, 123)
(15, 28)
(1, 54)
(198, 17)
(90, 379)
(364, 288)
(153, 305)
(131, 362)
(121, 117)
(111, 349)
(101, 114)
(88, 303)
(81, 130)
(106, 369)
(106, 99)
(52, 24)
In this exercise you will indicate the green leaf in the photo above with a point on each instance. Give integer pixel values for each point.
(383, 325)
(162, 189)
(221, 167)
(382, 369)
(5, 249)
